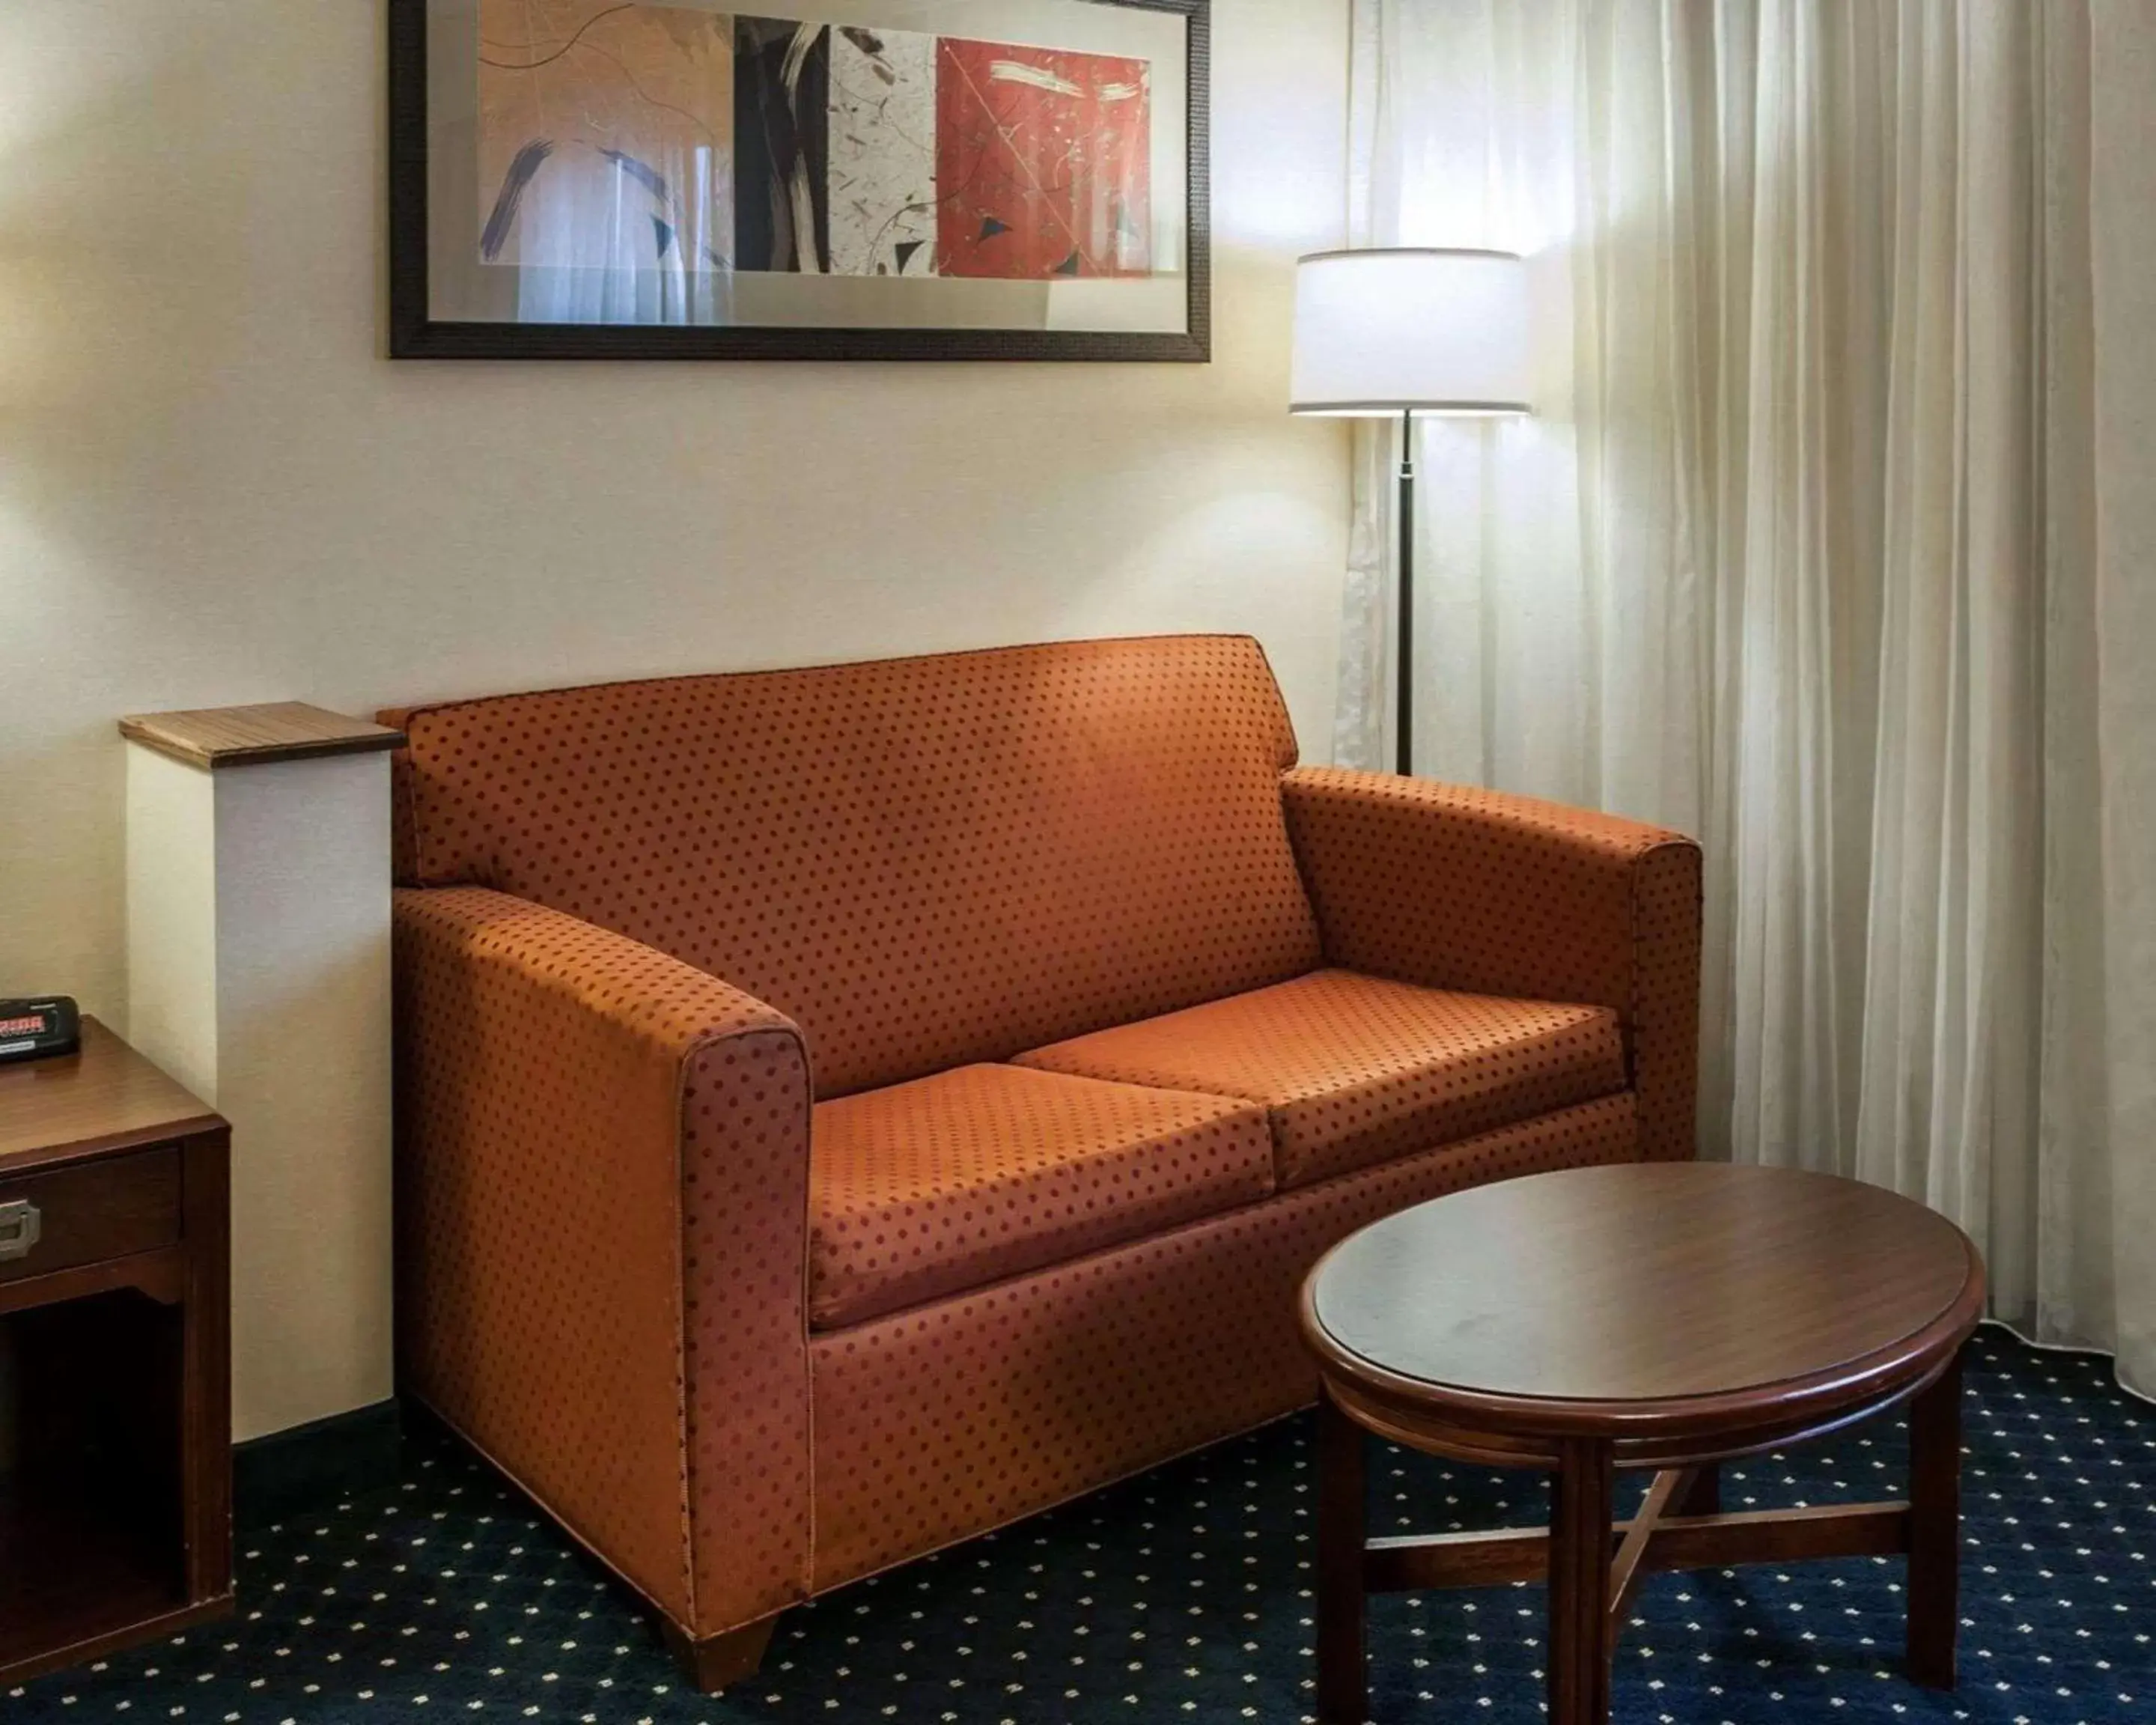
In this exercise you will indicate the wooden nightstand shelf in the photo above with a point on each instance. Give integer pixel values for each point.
(115, 1423)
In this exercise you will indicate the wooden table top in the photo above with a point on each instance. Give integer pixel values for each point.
(104, 1098)
(1646, 1283)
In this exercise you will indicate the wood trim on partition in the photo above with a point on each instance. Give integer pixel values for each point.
(221, 737)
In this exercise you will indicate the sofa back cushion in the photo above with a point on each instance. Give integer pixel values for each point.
(923, 861)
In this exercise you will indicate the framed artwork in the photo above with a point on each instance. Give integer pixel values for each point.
(810, 179)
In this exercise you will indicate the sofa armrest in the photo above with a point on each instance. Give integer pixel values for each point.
(602, 1190)
(1491, 894)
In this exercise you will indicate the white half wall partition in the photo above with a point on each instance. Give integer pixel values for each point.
(258, 952)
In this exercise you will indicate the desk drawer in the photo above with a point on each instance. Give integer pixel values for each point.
(88, 1213)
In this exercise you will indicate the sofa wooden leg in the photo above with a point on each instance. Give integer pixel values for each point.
(716, 1661)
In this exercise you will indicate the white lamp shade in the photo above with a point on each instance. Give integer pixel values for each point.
(1388, 331)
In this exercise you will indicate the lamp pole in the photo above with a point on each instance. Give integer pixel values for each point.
(1403, 651)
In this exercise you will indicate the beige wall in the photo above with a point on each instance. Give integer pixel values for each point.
(214, 491)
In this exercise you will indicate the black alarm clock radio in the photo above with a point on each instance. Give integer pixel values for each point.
(30, 1029)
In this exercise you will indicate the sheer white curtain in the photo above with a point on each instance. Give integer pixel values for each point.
(1829, 543)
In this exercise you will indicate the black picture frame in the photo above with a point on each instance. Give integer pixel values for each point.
(415, 334)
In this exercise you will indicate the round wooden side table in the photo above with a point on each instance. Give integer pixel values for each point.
(1669, 1316)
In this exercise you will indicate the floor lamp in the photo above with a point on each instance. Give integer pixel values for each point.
(1392, 332)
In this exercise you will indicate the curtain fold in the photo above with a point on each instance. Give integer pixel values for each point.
(2115, 1198)
(1822, 544)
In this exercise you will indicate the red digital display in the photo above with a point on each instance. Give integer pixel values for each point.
(34, 1026)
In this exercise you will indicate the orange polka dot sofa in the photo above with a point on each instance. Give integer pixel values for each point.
(842, 1111)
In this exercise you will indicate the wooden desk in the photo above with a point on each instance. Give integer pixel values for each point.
(115, 1424)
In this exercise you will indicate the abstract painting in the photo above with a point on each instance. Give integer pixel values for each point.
(1046, 158)
(605, 134)
(739, 182)
(882, 153)
(781, 144)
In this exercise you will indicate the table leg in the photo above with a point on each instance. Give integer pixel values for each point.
(1935, 1529)
(1705, 1496)
(1342, 1511)
(1582, 1508)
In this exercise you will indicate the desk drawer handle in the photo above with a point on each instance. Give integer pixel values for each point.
(20, 1229)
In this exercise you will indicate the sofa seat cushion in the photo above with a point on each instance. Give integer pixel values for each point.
(947, 1183)
(1355, 1070)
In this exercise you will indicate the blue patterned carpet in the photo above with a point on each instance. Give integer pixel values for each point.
(1183, 1596)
